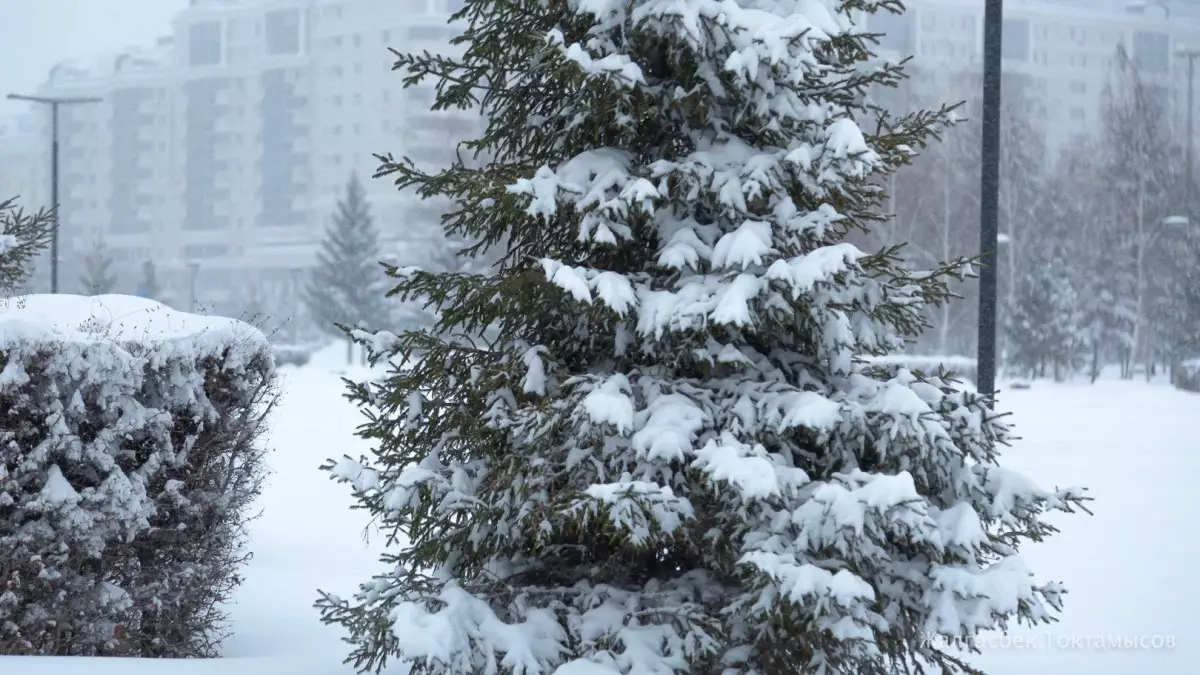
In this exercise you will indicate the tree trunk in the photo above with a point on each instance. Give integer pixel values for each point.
(1139, 280)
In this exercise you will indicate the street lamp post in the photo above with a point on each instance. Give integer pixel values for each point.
(1191, 55)
(193, 272)
(295, 275)
(54, 103)
(989, 198)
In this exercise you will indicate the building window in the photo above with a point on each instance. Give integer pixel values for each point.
(1077, 114)
(1078, 87)
(204, 44)
(1152, 52)
(1014, 41)
(131, 226)
(283, 32)
(203, 251)
(428, 34)
(896, 30)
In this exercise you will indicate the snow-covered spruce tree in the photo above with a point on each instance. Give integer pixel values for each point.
(1042, 326)
(670, 459)
(1177, 302)
(347, 286)
(1077, 211)
(22, 237)
(98, 277)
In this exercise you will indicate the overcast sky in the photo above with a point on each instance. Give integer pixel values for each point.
(36, 34)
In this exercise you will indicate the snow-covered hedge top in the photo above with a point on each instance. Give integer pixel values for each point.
(38, 319)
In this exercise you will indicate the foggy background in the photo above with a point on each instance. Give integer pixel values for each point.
(230, 133)
(36, 34)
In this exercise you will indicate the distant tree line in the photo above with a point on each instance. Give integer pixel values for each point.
(1099, 246)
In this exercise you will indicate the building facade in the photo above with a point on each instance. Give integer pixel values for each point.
(220, 152)
(1064, 48)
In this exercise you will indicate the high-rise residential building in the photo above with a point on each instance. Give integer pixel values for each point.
(220, 152)
(1065, 49)
(21, 157)
(24, 175)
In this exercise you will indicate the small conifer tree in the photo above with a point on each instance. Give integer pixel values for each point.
(1043, 326)
(98, 276)
(347, 286)
(647, 441)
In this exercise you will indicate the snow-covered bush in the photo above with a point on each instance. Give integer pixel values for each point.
(129, 455)
(292, 355)
(670, 456)
(1186, 375)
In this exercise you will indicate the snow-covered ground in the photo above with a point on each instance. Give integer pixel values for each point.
(1128, 568)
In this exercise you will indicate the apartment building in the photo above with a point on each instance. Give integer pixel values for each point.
(21, 155)
(220, 152)
(22, 167)
(1064, 49)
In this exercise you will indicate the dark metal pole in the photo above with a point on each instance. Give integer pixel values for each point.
(989, 196)
(54, 195)
(1191, 57)
(54, 103)
(193, 271)
(295, 305)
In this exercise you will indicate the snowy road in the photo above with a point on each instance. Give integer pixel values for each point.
(1128, 568)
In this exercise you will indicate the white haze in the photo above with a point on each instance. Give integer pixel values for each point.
(36, 34)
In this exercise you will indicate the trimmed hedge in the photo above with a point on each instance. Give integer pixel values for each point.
(130, 457)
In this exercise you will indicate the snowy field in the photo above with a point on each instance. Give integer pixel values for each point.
(1128, 568)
